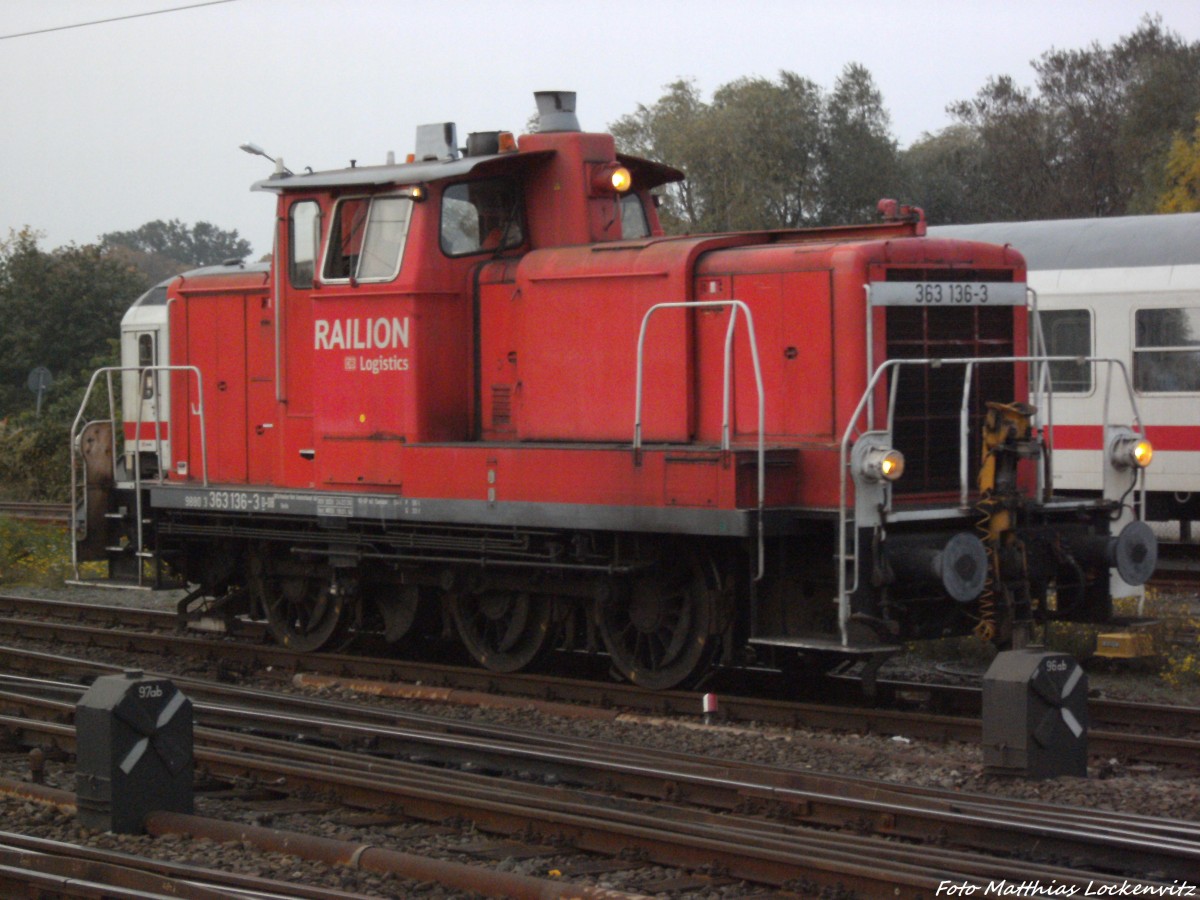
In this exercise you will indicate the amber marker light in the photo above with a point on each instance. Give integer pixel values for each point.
(1141, 453)
(1132, 452)
(882, 464)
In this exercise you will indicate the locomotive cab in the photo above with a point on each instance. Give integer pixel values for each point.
(481, 394)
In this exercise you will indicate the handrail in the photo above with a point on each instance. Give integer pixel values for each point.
(969, 363)
(76, 434)
(727, 392)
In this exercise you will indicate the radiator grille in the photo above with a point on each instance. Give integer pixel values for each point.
(929, 400)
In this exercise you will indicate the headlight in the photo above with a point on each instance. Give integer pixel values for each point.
(1131, 452)
(881, 464)
(609, 178)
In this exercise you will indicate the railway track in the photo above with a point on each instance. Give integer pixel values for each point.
(50, 513)
(762, 832)
(1156, 734)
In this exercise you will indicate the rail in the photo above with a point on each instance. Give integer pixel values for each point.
(848, 556)
(727, 394)
(79, 494)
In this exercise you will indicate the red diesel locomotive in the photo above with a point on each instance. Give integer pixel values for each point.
(479, 395)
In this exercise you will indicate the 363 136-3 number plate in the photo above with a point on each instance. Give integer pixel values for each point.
(947, 293)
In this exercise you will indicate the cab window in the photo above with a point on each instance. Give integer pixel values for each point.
(634, 224)
(366, 239)
(481, 217)
(304, 238)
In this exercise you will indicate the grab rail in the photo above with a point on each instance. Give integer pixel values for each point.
(865, 402)
(727, 392)
(76, 435)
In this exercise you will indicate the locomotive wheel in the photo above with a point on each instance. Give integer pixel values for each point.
(504, 631)
(659, 633)
(303, 614)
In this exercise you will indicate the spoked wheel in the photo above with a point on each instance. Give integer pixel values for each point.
(504, 630)
(303, 611)
(659, 633)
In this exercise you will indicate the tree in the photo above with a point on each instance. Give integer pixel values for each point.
(768, 154)
(943, 174)
(1092, 139)
(161, 249)
(1182, 189)
(61, 310)
(672, 130)
(861, 163)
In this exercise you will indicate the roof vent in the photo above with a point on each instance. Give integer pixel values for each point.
(556, 111)
(437, 142)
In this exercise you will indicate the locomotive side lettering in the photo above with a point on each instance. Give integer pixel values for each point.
(360, 334)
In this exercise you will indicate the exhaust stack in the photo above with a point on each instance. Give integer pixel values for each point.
(556, 111)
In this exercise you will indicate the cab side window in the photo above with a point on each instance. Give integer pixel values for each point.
(304, 238)
(634, 224)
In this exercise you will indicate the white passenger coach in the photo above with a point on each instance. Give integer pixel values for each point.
(1126, 288)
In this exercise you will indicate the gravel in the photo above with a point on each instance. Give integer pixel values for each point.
(1150, 790)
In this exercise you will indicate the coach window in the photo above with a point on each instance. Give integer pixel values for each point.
(145, 360)
(1166, 350)
(1068, 332)
(481, 217)
(366, 239)
(304, 237)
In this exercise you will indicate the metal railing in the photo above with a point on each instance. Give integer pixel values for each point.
(848, 547)
(727, 393)
(79, 496)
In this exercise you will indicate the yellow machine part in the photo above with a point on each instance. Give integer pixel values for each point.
(1006, 423)
(1124, 645)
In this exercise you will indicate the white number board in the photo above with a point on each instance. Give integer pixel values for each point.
(947, 293)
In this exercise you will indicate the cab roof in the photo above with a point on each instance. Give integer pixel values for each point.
(646, 174)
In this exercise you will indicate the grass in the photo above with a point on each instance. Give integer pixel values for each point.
(33, 554)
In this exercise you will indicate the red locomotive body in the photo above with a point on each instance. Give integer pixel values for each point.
(486, 387)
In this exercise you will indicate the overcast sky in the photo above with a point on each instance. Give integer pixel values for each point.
(109, 126)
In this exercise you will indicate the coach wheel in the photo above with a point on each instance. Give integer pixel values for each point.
(303, 614)
(659, 633)
(504, 630)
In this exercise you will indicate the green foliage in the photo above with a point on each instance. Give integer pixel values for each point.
(943, 174)
(202, 244)
(61, 310)
(1090, 140)
(767, 154)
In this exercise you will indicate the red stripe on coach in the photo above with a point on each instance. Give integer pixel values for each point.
(147, 432)
(1163, 437)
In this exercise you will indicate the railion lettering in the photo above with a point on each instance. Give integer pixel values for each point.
(360, 334)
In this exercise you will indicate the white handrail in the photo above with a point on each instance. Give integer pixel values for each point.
(844, 589)
(75, 434)
(726, 399)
